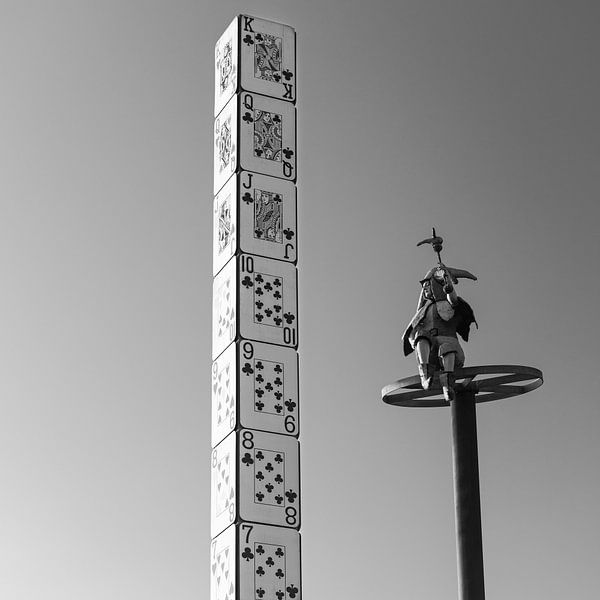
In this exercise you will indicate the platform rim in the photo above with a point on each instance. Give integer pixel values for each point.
(408, 391)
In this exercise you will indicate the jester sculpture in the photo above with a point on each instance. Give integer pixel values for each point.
(441, 315)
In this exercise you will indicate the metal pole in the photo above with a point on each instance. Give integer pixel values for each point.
(466, 498)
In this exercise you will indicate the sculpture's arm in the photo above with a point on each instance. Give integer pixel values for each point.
(449, 290)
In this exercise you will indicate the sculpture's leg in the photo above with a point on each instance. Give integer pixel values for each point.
(447, 377)
(422, 350)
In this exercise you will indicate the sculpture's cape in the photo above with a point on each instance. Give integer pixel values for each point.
(462, 311)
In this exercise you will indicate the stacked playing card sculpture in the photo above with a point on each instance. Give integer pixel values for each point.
(255, 474)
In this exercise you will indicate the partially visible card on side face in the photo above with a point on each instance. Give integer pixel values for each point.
(223, 485)
(224, 321)
(225, 229)
(223, 552)
(226, 65)
(225, 146)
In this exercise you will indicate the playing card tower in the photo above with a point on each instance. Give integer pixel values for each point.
(255, 464)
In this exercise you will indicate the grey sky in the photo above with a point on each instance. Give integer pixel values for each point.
(478, 118)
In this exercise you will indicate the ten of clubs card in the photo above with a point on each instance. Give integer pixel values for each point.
(255, 298)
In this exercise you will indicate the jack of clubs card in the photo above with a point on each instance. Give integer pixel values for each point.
(254, 214)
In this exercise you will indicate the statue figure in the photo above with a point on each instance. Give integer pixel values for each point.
(441, 315)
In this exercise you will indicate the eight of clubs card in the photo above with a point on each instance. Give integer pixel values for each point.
(255, 55)
(254, 214)
(268, 478)
(255, 477)
(255, 386)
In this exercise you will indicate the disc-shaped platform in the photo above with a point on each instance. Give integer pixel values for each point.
(487, 382)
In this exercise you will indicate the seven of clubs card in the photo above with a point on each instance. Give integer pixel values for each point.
(266, 484)
(257, 215)
(255, 133)
(255, 386)
(268, 563)
(267, 52)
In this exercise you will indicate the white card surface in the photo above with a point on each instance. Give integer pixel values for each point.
(254, 214)
(269, 478)
(225, 397)
(256, 562)
(268, 307)
(268, 58)
(223, 485)
(226, 65)
(225, 144)
(269, 563)
(267, 216)
(255, 386)
(257, 56)
(224, 318)
(255, 133)
(225, 224)
(255, 476)
(267, 136)
(223, 553)
(268, 388)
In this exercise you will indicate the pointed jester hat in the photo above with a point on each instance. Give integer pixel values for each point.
(437, 245)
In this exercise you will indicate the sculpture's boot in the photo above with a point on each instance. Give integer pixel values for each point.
(426, 374)
(447, 383)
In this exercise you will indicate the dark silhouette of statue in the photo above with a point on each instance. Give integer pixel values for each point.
(441, 317)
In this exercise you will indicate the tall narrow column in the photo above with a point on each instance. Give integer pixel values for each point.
(469, 547)
(255, 464)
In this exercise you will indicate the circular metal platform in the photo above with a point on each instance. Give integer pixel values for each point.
(487, 382)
